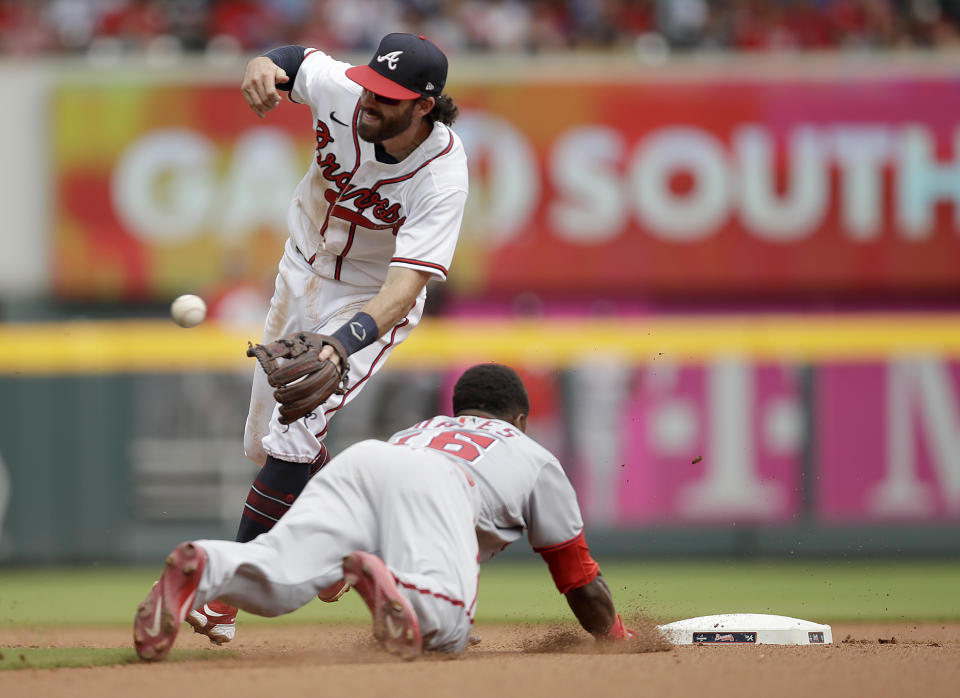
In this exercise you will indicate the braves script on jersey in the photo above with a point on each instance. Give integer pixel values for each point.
(352, 216)
(521, 485)
(350, 219)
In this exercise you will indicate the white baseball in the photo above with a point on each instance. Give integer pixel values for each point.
(188, 310)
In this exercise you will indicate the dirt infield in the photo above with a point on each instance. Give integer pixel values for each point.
(527, 662)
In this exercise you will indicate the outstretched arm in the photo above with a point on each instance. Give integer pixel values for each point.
(592, 604)
(393, 301)
(264, 75)
(578, 578)
(396, 297)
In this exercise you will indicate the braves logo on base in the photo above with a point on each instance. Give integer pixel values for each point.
(724, 638)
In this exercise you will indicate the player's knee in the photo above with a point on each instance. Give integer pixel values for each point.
(443, 626)
(451, 639)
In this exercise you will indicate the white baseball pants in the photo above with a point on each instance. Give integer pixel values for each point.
(304, 301)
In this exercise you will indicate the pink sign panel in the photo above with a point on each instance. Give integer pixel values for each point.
(720, 442)
(888, 441)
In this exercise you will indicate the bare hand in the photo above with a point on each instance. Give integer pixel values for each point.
(259, 86)
(330, 354)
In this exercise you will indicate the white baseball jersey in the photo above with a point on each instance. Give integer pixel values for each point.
(359, 215)
(433, 503)
(350, 219)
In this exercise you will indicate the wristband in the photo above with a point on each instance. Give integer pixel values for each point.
(570, 563)
(359, 332)
(289, 58)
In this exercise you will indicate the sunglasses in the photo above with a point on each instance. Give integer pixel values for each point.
(385, 100)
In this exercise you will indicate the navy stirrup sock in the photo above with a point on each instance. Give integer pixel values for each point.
(277, 486)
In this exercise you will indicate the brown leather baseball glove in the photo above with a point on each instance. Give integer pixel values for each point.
(302, 381)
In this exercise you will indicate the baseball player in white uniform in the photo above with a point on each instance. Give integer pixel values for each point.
(376, 216)
(407, 523)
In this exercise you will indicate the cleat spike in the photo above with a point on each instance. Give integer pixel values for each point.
(216, 619)
(395, 624)
(158, 617)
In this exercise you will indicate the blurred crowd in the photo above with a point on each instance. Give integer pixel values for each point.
(39, 27)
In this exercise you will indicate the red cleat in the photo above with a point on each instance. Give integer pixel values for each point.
(158, 618)
(217, 620)
(333, 592)
(394, 623)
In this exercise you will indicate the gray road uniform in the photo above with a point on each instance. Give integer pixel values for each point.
(433, 502)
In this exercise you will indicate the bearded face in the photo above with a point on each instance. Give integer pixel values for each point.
(380, 122)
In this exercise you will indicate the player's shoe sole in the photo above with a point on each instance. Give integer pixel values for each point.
(394, 623)
(217, 620)
(333, 592)
(158, 618)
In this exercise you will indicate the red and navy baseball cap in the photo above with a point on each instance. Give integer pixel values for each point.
(405, 66)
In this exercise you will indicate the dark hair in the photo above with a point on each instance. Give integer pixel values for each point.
(444, 110)
(492, 388)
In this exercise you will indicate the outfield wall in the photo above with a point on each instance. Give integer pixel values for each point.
(695, 435)
(608, 189)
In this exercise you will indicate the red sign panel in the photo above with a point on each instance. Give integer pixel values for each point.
(697, 187)
(679, 186)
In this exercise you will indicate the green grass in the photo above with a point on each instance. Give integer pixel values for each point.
(65, 657)
(862, 590)
(521, 592)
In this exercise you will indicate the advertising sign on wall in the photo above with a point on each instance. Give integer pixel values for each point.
(159, 189)
(889, 441)
(737, 441)
(684, 186)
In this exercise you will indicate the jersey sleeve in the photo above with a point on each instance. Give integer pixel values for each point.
(553, 514)
(428, 237)
(316, 73)
(555, 529)
(570, 563)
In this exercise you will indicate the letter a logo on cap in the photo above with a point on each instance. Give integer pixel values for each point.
(391, 59)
